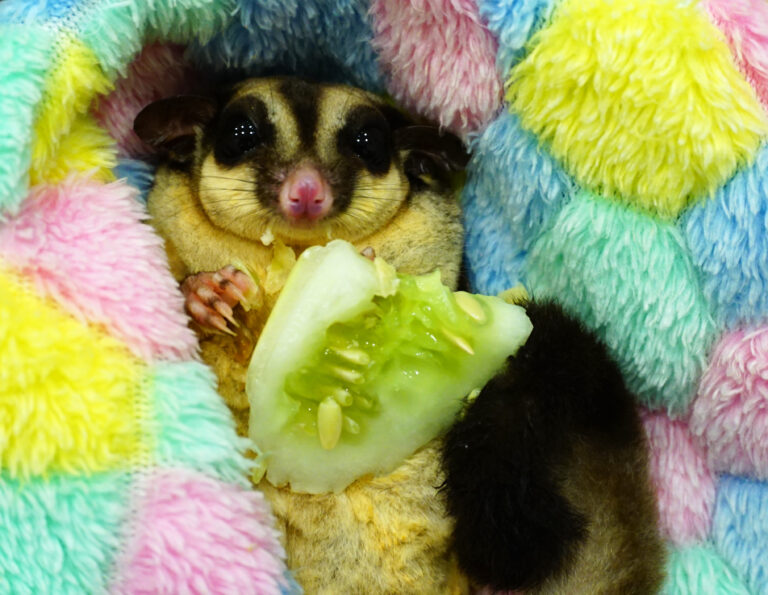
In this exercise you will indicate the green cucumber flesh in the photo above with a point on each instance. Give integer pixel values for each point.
(358, 367)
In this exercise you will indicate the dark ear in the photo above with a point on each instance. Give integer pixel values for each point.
(169, 125)
(432, 153)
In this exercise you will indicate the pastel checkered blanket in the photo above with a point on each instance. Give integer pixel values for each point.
(618, 165)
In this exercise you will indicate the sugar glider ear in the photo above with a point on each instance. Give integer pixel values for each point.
(170, 125)
(433, 154)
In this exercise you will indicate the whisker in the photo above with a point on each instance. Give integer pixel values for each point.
(357, 215)
(230, 189)
(251, 182)
(237, 208)
(384, 191)
(377, 198)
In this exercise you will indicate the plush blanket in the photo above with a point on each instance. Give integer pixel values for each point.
(618, 165)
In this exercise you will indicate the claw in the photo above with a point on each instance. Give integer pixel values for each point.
(232, 288)
(211, 297)
(220, 325)
(223, 309)
(226, 285)
(205, 317)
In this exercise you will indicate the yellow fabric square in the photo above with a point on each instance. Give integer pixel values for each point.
(638, 99)
(87, 147)
(68, 392)
(69, 90)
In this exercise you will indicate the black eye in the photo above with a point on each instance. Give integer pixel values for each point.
(373, 144)
(237, 136)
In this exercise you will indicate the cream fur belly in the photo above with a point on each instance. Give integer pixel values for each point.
(389, 534)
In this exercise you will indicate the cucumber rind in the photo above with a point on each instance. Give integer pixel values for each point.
(335, 284)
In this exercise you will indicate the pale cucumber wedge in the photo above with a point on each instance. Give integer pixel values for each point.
(358, 367)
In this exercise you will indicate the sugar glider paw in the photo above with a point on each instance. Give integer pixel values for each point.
(210, 297)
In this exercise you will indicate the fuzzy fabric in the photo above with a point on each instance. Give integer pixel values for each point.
(136, 173)
(440, 60)
(225, 529)
(630, 276)
(639, 82)
(120, 468)
(684, 482)
(745, 25)
(730, 417)
(328, 39)
(506, 156)
(740, 529)
(619, 166)
(78, 242)
(699, 569)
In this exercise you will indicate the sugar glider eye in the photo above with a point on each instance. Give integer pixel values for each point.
(373, 145)
(237, 136)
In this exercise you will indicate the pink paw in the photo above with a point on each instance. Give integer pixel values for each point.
(211, 297)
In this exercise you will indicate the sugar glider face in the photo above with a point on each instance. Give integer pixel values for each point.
(301, 161)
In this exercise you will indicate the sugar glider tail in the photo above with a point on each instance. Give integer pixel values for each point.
(546, 472)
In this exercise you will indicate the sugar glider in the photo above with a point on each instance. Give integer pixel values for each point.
(274, 165)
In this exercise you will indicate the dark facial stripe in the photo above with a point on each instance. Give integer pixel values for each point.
(303, 98)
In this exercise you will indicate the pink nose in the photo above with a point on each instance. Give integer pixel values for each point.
(305, 194)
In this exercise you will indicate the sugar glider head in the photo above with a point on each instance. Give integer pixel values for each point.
(303, 161)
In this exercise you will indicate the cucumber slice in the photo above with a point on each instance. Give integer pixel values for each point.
(358, 367)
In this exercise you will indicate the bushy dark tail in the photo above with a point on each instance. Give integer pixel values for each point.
(504, 459)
